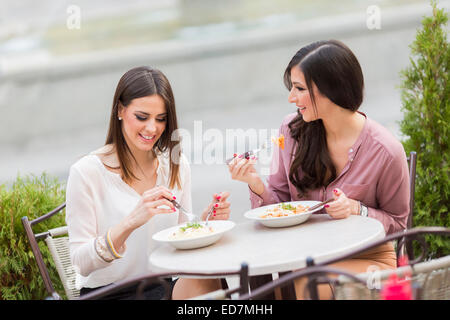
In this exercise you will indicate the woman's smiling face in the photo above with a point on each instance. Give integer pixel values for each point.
(300, 95)
(143, 122)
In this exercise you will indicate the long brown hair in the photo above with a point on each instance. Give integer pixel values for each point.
(336, 72)
(136, 83)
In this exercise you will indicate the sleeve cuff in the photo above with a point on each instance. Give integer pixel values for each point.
(260, 200)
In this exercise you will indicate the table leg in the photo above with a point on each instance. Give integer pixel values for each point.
(288, 291)
(224, 284)
(257, 281)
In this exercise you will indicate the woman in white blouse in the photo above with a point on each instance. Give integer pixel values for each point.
(119, 195)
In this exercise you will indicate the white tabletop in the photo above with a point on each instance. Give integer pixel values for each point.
(271, 250)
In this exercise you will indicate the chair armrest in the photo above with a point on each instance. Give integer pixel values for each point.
(58, 231)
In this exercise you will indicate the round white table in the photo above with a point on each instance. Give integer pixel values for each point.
(270, 250)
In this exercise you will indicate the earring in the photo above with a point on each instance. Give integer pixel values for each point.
(120, 118)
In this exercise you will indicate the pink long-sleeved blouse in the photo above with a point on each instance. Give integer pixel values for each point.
(376, 174)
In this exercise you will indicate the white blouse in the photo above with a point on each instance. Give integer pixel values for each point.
(96, 200)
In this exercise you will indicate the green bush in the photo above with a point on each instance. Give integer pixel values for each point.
(425, 99)
(30, 196)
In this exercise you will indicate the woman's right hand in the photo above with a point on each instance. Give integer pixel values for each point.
(242, 169)
(148, 206)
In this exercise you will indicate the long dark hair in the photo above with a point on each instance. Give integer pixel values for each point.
(137, 83)
(336, 72)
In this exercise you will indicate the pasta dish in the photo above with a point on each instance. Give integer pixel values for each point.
(284, 210)
(191, 230)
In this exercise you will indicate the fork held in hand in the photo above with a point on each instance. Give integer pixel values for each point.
(209, 213)
(191, 217)
(178, 206)
(320, 204)
(207, 217)
(247, 154)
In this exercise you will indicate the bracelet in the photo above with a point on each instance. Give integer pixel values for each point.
(102, 249)
(110, 245)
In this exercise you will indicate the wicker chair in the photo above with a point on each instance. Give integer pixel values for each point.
(430, 279)
(58, 243)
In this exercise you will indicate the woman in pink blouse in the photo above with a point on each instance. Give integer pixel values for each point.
(334, 151)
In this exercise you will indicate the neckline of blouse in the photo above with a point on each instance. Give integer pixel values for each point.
(362, 134)
(355, 147)
(119, 181)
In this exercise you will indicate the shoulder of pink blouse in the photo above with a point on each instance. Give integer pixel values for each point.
(388, 157)
(381, 136)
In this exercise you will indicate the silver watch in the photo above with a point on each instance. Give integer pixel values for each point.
(363, 210)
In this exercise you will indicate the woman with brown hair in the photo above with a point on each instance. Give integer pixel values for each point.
(121, 194)
(334, 151)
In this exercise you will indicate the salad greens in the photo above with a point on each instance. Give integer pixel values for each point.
(191, 225)
(287, 206)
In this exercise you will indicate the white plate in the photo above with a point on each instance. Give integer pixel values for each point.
(219, 227)
(287, 221)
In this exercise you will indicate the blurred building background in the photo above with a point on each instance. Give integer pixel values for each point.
(61, 60)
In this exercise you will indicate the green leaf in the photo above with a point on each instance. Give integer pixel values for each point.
(425, 93)
(30, 196)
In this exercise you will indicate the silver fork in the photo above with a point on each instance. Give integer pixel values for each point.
(253, 152)
(209, 214)
(320, 204)
(191, 217)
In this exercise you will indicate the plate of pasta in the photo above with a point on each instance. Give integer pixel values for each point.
(283, 214)
(194, 235)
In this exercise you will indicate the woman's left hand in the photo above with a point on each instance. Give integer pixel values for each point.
(342, 207)
(221, 207)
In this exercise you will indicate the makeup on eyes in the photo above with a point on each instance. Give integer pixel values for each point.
(142, 116)
(298, 85)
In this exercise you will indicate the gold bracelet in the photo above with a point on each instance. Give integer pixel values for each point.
(110, 245)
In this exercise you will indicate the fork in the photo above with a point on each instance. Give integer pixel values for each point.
(176, 204)
(320, 204)
(247, 154)
(207, 217)
(191, 217)
(209, 214)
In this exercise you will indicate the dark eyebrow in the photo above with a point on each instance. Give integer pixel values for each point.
(298, 83)
(147, 114)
